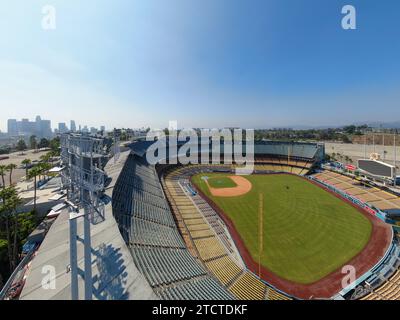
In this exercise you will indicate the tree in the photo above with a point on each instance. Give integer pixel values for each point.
(52, 154)
(26, 163)
(350, 129)
(14, 202)
(4, 215)
(3, 171)
(44, 167)
(33, 142)
(8, 210)
(45, 157)
(10, 168)
(55, 146)
(345, 139)
(21, 145)
(44, 143)
(33, 174)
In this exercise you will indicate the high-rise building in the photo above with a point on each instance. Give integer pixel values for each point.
(103, 128)
(12, 128)
(73, 126)
(26, 127)
(46, 129)
(40, 128)
(62, 127)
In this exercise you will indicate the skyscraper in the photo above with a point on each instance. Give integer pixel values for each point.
(12, 128)
(73, 126)
(62, 127)
(26, 127)
(46, 129)
(40, 128)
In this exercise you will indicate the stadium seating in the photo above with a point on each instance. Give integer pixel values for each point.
(225, 269)
(240, 288)
(275, 295)
(200, 289)
(165, 266)
(390, 290)
(159, 249)
(371, 195)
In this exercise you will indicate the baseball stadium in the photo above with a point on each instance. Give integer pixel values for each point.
(295, 229)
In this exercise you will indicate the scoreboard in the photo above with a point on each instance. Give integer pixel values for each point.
(377, 168)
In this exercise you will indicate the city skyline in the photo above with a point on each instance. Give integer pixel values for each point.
(42, 128)
(202, 63)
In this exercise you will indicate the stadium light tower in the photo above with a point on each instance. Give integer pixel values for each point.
(395, 156)
(116, 146)
(260, 230)
(365, 146)
(81, 156)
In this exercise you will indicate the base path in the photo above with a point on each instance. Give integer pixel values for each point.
(243, 186)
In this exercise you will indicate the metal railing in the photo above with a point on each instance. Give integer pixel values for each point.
(10, 281)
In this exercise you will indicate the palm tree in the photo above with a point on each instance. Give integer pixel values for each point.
(44, 167)
(10, 168)
(3, 207)
(8, 210)
(34, 173)
(45, 158)
(4, 214)
(52, 154)
(14, 202)
(26, 163)
(3, 170)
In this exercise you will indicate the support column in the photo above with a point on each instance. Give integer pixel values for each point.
(73, 258)
(88, 257)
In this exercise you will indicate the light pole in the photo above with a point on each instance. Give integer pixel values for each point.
(84, 182)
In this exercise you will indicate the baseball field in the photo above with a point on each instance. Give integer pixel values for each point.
(307, 233)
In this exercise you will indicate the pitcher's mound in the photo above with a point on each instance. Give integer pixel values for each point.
(243, 186)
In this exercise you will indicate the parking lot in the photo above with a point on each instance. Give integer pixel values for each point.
(17, 158)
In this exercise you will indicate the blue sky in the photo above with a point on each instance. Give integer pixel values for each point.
(205, 63)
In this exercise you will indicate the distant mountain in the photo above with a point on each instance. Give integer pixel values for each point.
(372, 124)
(384, 125)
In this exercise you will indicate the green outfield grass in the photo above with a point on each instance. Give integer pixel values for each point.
(221, 182)
(308, 232)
